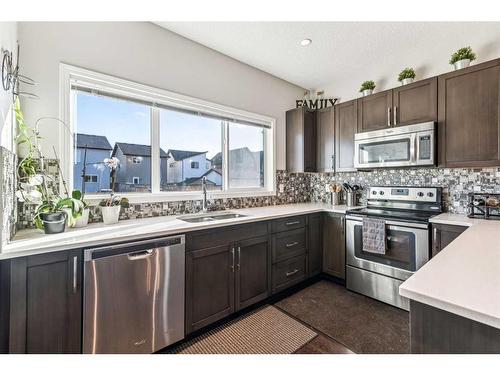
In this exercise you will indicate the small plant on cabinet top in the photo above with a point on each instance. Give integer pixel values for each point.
(367, 85)
(406, 73)
(464, 53)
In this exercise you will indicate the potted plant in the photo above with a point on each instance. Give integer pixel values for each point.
(406, 76)
(83, 219)
(110, 207)
(462, 58)
(367, 88)
(52, 211)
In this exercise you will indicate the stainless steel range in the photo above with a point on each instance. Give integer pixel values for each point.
(403, 215)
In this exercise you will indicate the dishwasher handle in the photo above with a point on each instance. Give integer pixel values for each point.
(137, 255)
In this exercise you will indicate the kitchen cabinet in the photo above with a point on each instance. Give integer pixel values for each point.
(469, 119)
(346, 126)
(46, 303)
(415, 103)
(314, 244)
(374, 111)
(301, 139)
(443, 235)
(325, 148)
(334, 245)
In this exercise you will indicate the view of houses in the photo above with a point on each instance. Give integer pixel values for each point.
(180, 170)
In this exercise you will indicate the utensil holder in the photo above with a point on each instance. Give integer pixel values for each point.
(351, 199)
(336, 198)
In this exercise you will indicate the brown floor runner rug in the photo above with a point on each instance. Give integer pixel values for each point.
(265, 331)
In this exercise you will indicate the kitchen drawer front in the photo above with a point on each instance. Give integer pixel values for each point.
(224, 235)
(289, 272)
(289, 244)
(289, 223)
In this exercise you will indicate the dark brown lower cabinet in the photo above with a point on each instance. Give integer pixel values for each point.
(223, 279)
(334, 245)
(46, 303)
(443, 235)
(315, 244)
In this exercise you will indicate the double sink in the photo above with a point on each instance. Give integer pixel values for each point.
(201, 218)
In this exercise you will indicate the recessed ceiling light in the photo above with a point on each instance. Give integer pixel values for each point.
(305, 42)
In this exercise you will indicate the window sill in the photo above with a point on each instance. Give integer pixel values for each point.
(181, 196)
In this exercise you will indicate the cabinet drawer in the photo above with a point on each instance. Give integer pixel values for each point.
(225, 235)
(289, 223)
(289, 244)
(289, 272)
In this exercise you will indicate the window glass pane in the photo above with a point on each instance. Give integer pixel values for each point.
(107, 127)
(246, 156)
(190, 148)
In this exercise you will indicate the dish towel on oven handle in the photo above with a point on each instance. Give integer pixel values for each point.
(374, 238)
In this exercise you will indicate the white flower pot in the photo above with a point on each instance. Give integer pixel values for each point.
(110, 214)
(83, 220)
(460, 64)
(406, 81)
(367, 92)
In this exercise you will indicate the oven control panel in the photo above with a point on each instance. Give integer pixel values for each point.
(405, 193)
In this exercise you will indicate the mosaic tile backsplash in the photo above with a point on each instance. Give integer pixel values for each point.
(8, 207)
(312, 187)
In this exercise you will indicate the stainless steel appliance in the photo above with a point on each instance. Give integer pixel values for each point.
(134, 296)
(403, 146)
(406, 211)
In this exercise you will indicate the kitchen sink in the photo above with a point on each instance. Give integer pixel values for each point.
(201, 218)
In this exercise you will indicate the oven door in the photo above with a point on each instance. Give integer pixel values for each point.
(407, 248)
(387, 151)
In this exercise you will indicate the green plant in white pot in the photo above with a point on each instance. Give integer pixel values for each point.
(110, 207)
(462, 58)
(406, 76)
(367, 88)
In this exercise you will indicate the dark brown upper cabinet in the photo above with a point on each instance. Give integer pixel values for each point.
(301, 140)
(346, 125)
(469, 122)
(325, 148)
(415, 103)
(374, 111)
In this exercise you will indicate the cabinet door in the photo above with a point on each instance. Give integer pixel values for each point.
(334, 245)
(346, 125)
(253, 271)
(469, 121)
(415, 103)
(374, 111)
(300, 140)
(46, 303)
(325, 158)
(314, 244)
(443, 235)
(209, 286)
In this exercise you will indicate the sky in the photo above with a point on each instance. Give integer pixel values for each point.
(129, 122)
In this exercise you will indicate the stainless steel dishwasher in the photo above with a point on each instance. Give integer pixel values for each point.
(134, 296)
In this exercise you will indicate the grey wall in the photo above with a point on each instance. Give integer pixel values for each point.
(8, 37)
(148, 54)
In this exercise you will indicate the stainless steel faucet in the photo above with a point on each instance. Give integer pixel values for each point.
(204, 206)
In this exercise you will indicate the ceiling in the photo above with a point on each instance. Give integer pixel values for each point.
(342, 51)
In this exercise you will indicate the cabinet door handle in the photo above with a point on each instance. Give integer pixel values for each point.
(292, 272)
(292, 222)
(333, 162)
(291, 244)
(434, 239)
(75, 274)
(239, 259)
(232, 263)
(395, 118)
(388, 116)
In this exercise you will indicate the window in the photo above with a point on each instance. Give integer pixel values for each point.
(165, 142)
(91, 178)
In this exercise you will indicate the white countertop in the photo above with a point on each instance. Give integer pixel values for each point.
(464, 277)
(34, 241)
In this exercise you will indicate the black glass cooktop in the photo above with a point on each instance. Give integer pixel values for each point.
(406, 215)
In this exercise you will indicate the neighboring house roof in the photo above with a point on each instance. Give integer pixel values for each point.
(183, 154)
(133, 149)
(96, 142)
(194, 180)
(217, 159)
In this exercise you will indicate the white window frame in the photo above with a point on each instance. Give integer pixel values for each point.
(69, 75)
(138, 180)
(92, 182)
(136, 160)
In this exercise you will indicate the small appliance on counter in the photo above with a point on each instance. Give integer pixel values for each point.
(484, 206)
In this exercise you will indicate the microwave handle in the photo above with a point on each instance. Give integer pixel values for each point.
(413, 149)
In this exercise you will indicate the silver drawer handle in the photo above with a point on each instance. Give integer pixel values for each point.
(292, 272)
(291, 244)
(292, 222)
(140, 254)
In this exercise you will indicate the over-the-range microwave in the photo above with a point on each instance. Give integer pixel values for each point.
(404, 146)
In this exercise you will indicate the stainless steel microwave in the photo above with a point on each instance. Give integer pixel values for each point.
(404, 146)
